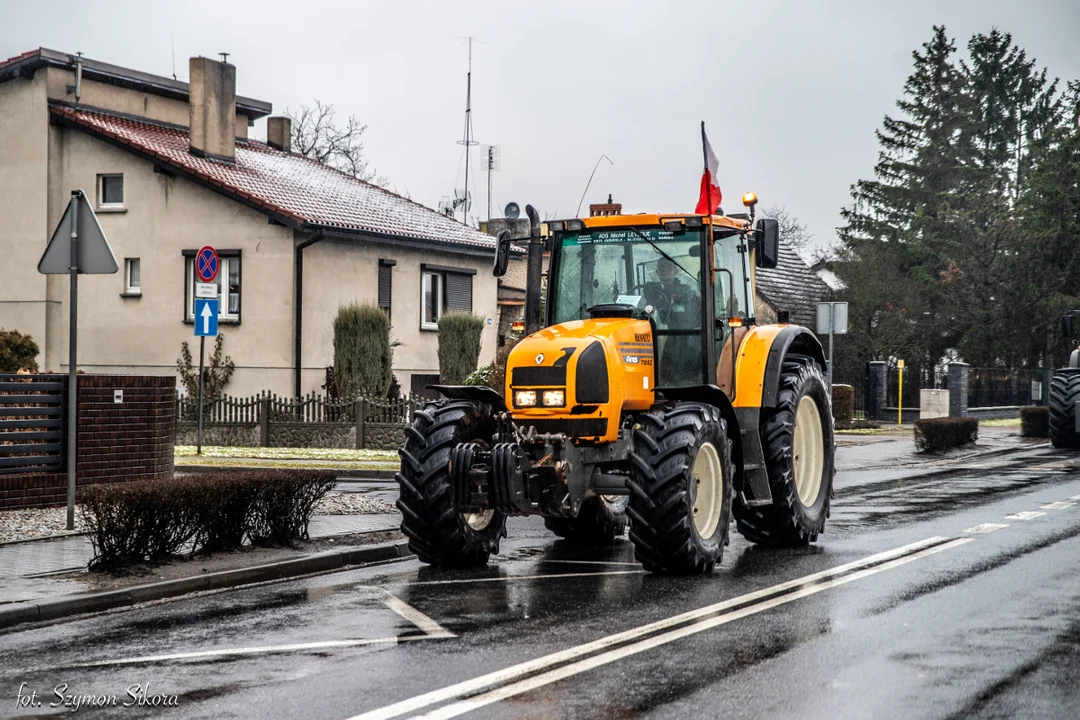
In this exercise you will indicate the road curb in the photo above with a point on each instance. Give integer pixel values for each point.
(341, 472)
(46, 609)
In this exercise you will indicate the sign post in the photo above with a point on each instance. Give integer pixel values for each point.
(831, 319)
(900, 395)
(77, 246)
(206, 317)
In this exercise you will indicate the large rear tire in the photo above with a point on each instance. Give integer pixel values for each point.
(680, 489)
(438, 534)
(1063, 396)
(601, 520)
(797, 437)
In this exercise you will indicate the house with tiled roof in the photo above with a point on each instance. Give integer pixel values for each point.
(791, 287)
(169, 167)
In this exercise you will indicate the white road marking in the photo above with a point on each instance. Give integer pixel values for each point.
(523, 686)
(1058, 505)
(432, 631)
(1075, 497)
(510, 578)
(225, 652)
(417, 618)
(1026, 515)
(986, 528)
(516, 672)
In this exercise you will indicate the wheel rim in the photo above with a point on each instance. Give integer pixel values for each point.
(708, 489)
(478, 521)
(809, 452)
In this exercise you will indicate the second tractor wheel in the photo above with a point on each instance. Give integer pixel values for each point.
(601, 520)
(1063, 396)
(680, 489)
(797, 437)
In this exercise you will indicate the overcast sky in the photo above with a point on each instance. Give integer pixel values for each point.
(791, 92)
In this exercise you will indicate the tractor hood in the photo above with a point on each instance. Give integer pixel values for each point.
(583, 372)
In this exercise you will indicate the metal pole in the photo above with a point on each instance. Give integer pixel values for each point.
(832, 329)
(900, 399)
(202, 352)
(73, 338)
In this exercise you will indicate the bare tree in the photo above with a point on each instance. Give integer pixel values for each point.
(317, 134)
(792, 231)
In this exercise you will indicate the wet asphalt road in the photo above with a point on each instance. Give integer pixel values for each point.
(940, 595)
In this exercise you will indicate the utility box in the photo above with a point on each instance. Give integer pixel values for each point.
(933, 404)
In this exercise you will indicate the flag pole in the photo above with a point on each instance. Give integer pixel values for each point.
(704, 151)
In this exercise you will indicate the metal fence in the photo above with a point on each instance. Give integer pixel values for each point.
(32, 409)
(996, 387)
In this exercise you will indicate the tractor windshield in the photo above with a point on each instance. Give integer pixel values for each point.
(655, 268)
(618, 265)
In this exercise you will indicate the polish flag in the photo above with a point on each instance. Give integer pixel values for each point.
(710, 196)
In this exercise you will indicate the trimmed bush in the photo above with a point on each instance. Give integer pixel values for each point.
(459, 346)
(363, 353)
(17, 352)
(151, 520)
(1035, 422)
(941, 434)
(843, 405)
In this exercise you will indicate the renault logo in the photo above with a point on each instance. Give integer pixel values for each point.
(540, 359)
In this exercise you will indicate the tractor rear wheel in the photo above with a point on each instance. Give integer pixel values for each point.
(601, 520)
(438, 534)
(680, 489)
(797, 437)
(1063, 396)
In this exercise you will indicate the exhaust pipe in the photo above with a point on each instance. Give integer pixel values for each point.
(535, 272)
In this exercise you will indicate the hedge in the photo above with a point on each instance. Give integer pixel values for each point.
(843, 405)
(940, 434)
(1035, 422)
(148, 521)
(459, 346)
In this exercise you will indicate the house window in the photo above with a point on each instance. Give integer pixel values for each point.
(227, 281)
(443, 289)
(386, 270)
(110, 192)
(132, 277)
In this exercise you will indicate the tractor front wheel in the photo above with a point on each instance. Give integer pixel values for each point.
(797, 437)
(1063, 396)
(680, 489)
(439, 534)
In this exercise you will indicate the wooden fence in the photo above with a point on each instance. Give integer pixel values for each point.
(32, 410)
(310, 421)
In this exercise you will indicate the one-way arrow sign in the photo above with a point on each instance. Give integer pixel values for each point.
(206, 317)
(95, 257)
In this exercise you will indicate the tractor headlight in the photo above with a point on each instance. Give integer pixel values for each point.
(554, 398)
(525, 398)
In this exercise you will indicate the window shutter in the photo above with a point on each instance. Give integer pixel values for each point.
(458, 292)
(384, 287)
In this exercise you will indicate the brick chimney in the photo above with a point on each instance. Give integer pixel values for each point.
(608, 208)
(279, 133)
(212, 87)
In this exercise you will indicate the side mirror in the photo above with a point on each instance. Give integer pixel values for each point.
(502, 253)
(767, 235)
(1067, 326)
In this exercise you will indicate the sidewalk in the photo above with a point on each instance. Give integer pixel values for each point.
(25, 567)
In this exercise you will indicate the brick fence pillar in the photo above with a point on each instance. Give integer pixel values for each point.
(958, 389)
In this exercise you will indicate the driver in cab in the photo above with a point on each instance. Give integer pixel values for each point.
(676, 303)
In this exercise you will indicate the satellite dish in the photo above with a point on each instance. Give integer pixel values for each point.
(513, 211)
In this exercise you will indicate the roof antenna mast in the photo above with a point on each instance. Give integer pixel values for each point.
(467, 138)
